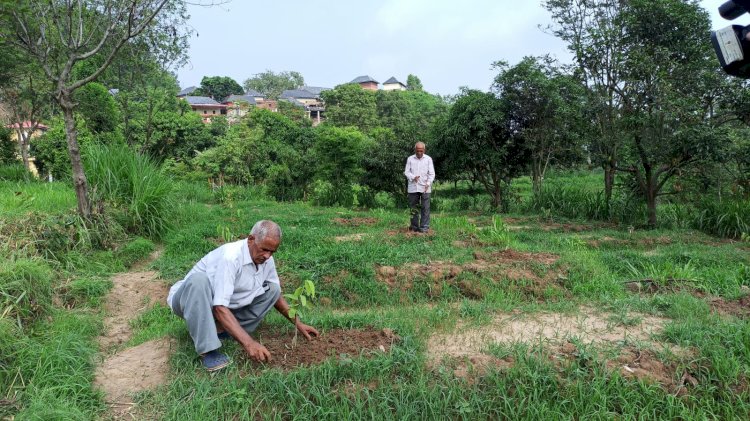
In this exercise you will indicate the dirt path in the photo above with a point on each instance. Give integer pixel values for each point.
(124, 372)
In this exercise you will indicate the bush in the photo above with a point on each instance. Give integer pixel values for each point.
(726, 218)
(132, 182)
(87, 291)
(25, 289)
(8, 148)
(15, 172)
(135, 250)
(574, 201)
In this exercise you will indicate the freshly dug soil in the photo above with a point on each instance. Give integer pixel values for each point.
(336, 343)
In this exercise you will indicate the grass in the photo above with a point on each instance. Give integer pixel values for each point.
(54, 356)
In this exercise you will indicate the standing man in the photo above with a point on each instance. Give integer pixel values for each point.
(229, 291)
(421, 173)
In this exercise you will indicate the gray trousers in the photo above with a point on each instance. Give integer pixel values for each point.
(419, 203)
(193, 302)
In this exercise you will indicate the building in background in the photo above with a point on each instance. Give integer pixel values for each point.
(206, 107)
(393, 84)
(366, 82)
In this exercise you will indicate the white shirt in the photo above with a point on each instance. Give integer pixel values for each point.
(423, 168)
(234, 278)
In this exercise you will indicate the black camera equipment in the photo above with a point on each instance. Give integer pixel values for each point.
(732, 44)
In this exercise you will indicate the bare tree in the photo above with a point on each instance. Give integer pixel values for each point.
(60, 35)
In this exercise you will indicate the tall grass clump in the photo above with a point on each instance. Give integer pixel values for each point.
(575, 201)
(15, 172)
(25, 290)
(726, 218)
(133, 183)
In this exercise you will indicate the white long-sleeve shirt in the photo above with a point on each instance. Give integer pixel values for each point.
(235, 279)
(423, 168)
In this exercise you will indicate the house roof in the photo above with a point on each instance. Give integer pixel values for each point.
(298, 93)
(392, 80)
(201, 100)
(364, 79)
(249, 98)
(293, 101)
(315, 90)
(27, 125)
(253, 92)
(187, 91)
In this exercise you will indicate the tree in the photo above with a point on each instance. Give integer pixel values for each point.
(271, 84)
(26, 95)
(477, 138)
(413, 83)
(97, 107)
(340, 152)
(665, 83)
(60, 36)
(595, 35)
(350, 105)
(544, 107)
(219, 87)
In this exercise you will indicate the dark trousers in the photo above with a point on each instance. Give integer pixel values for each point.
(419, 204)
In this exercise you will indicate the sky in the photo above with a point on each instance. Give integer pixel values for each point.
(447, 44)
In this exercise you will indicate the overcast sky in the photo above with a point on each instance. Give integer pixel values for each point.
(448, 44)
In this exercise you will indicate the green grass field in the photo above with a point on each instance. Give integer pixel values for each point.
(512, 317)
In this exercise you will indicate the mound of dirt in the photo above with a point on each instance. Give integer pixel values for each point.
(336, 343)
(508, 267)
(737, 308)
(355, 222)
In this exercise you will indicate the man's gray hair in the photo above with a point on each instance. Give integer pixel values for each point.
(418, 144)
(265, 228)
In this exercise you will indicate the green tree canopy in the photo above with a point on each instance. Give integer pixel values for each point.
(272, 84)
(476, 137)
(350, 105)
(218, 87)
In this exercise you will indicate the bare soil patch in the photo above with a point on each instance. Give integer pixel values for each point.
(336, 343)
(355, 221)
(588, 326)
(509, 267)
(644, 365)
(132, 370)
(141, 367)
(737, 308)
(652, 286)
(350, 237)
(133, 293)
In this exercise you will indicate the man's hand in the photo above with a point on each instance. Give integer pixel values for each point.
(306, 330)
(257, 352)
(416, 179)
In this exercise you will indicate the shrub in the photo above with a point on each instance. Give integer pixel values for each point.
(87, 291)
(726, 218)
(25, 289)
(135, 250)
(15, 172)
(132, 182)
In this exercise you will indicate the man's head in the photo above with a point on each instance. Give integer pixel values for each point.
(419, 149)
(263, 241)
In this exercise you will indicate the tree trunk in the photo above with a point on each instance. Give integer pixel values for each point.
(23, 145)
(609, 182)
(651, 204)
(79, 177)
(536, 175)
